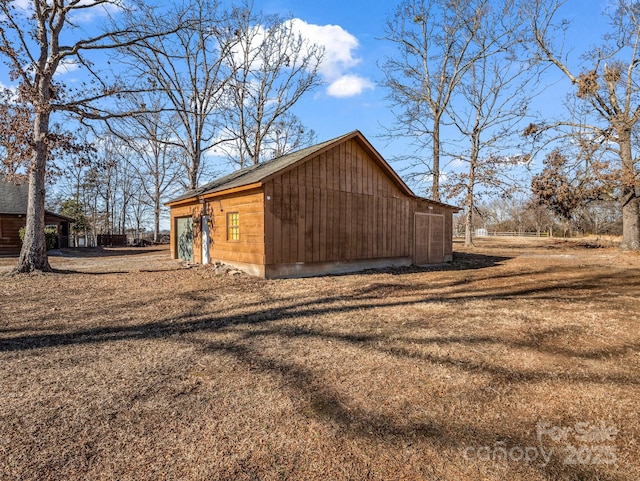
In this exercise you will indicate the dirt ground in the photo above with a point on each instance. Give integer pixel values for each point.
(520, 360)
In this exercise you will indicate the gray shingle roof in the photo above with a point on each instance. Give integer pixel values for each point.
(259, 172)
(13, 198)
(256, 173)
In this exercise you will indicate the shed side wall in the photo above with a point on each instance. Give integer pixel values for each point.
(338, 206)
(250, 248)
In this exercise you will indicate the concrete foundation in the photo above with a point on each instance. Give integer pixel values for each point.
(310, 269)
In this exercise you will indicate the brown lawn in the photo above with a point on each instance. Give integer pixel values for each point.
(521, 360)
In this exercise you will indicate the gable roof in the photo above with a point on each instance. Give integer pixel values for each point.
(13, 197)
(262, 172)
(255, 175)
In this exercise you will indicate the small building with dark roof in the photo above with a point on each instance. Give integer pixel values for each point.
(13, 216)
(334, 207)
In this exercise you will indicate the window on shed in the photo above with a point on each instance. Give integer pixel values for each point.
(233, 226)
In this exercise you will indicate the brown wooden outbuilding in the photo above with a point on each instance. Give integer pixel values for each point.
(335, 207)
(13, 216)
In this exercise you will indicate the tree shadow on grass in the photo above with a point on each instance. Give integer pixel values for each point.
(461, 261)
(360, 302)
(80, 271)
(328, 405)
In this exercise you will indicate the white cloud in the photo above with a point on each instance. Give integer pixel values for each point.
(67, 66)
(348, 86)
(94, 12)
(339, 57)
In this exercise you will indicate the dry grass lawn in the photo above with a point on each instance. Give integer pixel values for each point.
(519, 361)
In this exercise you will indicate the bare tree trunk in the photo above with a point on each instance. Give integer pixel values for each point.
(630, 198)
(194, 169)
(435, 188)
(156, 219)
(33, 255)
(123, 218)
(468, 224)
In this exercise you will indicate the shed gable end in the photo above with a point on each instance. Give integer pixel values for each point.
(347, 167)
(337, 206)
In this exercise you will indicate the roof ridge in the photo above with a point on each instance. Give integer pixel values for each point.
(270, 166)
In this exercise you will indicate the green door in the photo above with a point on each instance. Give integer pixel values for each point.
(184, 229)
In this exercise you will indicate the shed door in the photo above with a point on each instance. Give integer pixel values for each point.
(184, 238)
(429, 239)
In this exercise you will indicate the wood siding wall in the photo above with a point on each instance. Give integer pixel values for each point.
(10, 225)
(337, 206)
(10, 243)
(426, 207)
(250, 249)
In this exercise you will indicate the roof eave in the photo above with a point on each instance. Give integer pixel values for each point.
(209, 195)
(64, 217)
(442, 204)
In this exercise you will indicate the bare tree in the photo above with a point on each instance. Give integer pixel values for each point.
(112, 186)
(35, 41)
(287, 134)
(434, 40)
(272, 66)
(538, 216)
(188, 69)
(91, 188)
(153, 153)
(607, 95)
(488, 106)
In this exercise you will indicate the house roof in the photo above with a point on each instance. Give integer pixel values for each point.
(14, 198)
(260, 173)
(256, 173)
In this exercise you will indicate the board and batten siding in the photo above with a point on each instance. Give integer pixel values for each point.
(427, 207)
(338, 206)
(249, 250)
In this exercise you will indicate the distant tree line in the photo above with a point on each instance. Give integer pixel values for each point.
(522, 215)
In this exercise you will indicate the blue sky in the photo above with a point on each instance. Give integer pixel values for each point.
(327, 114)
(351, 31)
(362, 23)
